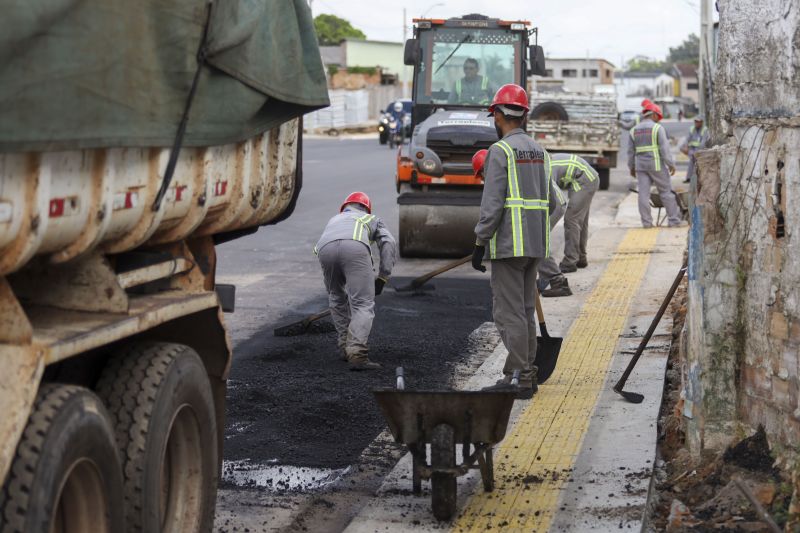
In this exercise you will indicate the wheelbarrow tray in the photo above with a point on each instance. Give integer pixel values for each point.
(476, 416)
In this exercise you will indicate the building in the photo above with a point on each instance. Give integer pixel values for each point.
(578, 75)
(633, 86)
(686, 85)
(388, 56)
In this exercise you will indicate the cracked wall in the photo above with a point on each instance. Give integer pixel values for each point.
(742, 359)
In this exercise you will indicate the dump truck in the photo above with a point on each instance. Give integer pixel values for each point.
(134, 137)
(577, 123)
(458, 65)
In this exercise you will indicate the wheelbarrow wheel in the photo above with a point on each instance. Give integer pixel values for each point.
(443, 484)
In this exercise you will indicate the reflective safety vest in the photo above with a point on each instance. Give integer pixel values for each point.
(517, 205)
(695, 140)
(348, 224)
(484, 88)
(652, 147)
(573, 163)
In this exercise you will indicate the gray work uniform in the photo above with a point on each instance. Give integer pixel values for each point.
(548, 267)
(650, 156)
(697, 140)
(514, 222)
(580, 180)
(345, 256)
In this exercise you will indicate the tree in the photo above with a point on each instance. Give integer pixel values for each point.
(647, 64)
(331, 30)
(687, 52)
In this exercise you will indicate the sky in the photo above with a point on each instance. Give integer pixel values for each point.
(616, 30)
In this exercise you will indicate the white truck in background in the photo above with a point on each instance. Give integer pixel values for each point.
(580, 124)
(113, 345)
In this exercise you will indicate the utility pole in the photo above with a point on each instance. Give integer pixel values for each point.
(704, 63)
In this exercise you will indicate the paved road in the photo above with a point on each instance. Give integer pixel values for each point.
(291, 403)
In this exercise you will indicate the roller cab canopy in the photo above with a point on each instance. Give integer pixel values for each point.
(77, 74)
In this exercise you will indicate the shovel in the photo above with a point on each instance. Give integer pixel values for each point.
(416, 283)
(299, 327)
(547, 347)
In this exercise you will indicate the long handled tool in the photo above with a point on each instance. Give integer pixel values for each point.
(416, 283)
(635, 397)
(299, 327)
(547, 347)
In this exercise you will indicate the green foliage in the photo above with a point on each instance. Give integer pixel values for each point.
(362, 70)
(332, 70)
(647, 64)
(331, 30)
(687, 52)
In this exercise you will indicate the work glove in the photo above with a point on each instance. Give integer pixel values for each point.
(379, 283)
(671, 171)
(477, 258)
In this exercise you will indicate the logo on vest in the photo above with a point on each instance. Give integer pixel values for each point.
(528, 156)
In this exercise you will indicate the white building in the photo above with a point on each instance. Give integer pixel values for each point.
(632, 87)
(585, 75)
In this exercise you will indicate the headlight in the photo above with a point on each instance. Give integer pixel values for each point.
(428, 165)
(380, 129)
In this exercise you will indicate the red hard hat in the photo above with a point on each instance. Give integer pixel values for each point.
(510, 94)
(646, 102)
(653, 108)
(478, 160)
(357, 198)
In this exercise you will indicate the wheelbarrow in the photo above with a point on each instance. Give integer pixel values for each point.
(476, 419)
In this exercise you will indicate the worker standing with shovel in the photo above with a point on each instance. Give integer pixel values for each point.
(344, 252)
(514, 225)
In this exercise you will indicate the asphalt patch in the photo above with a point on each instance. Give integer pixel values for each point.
(292, 401)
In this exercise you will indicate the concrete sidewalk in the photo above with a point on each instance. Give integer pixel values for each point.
(578, 457)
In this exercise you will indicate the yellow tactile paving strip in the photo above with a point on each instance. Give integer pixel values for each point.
(537, 455)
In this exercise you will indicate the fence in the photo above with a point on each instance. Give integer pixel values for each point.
(353, 109)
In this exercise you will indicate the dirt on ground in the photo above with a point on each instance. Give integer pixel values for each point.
(294, 402)
(705, 493)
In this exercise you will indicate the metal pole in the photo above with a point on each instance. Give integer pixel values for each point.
(702, 74)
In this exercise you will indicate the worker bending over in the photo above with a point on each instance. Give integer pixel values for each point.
(580, 180)
(697, 140)
(514, 225)
(345, 254)
(650, 162)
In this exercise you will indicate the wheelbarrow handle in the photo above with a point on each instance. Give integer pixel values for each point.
(515, 378)
(401, 382)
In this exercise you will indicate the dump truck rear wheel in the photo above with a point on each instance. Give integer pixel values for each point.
(443, 485)
(66, 475)
(603, 175)
(549, 111)
(160, 400)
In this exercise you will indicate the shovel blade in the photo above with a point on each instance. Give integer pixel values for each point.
(547, 350)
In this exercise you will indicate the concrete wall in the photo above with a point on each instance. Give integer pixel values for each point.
(388, 55)
(742, 342)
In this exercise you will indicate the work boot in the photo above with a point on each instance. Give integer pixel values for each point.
(360, 361)
(680, 224)
(541, 284)
(582, 263)
(566, 269)
(558, 287)
(525, 389)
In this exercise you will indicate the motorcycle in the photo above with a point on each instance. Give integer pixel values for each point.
(396, 133)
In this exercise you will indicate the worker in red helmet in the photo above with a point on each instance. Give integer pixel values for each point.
(345, 254)
(550, 274)
(650, 162)
(514, 231)
(628, 124)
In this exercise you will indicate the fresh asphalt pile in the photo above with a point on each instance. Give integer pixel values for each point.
(292, 401)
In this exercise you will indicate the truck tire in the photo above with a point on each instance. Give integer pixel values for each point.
(603, 175)
(443, 485)
(66, 474)
(549, 111)
(160, 400)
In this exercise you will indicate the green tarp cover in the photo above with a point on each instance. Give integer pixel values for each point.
(112, 73)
